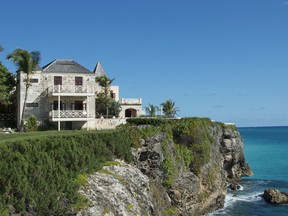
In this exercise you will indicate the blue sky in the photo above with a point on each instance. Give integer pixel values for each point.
(222, 59)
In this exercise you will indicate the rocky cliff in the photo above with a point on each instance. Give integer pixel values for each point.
(184, 172)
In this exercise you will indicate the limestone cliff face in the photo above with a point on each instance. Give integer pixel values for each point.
(232, 150)
(159, 183)
(118, 190)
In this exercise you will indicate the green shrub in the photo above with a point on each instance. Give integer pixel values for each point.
(168, 165)
(183, 155)
(82, 179)
(31, 124)
(129, 207)
(46, 171)
(134, 135)
(195, 134)
(171, 211)
(147, 121)
(111, 163)
(148, 131)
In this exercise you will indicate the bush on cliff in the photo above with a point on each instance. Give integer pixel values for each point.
(39, 175)
(194, 133)
(192, 136)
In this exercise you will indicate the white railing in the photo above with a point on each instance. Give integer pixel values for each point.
(71, 114)
(130, 101)
(72, 89)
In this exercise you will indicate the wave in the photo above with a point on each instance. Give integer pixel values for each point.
(241, 188)
(248, 198)
(232, 199)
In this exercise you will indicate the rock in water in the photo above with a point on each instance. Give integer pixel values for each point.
(275, 197)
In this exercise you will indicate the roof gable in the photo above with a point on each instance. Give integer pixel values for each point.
(99, 70)
(64, 66)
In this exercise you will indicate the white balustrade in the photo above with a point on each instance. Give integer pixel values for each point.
(71, 114)
(131, 101)
(72, 89)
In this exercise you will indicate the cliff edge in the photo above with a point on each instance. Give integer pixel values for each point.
(181, 167)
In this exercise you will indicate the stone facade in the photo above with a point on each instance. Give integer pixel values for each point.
(64, 92)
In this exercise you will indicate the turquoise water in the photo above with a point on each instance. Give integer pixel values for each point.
(266, 151)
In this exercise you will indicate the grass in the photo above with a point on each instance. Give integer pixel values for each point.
(40, 134)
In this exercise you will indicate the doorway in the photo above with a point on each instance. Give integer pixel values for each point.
(130, 113)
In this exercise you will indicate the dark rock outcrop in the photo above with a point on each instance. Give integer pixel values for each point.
(234, 186)
(274, 196)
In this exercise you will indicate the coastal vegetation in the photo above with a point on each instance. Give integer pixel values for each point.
(169, 109)
(39, 173)
(43, 171)
(152, 110)
(192, 137)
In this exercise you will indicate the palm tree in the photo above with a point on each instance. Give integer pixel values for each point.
(169, 108)
(26, 63)
(105, 83)
(152, 110)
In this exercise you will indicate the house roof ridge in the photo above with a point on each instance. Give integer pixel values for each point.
(47, 65)
(65, 66)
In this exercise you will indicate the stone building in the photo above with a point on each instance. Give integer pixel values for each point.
(64, 92)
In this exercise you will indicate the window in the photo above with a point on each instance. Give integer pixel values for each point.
(78, 105)
(112, 94)
(34, 80)
(32, 105)
(31, 80)
(55, 105)
(57, 80)
(79, 81)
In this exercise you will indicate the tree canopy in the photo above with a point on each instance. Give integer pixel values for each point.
(152, 110)
(104, 103)
(7, 83)
(105, 83)
(169, 108)
(26, 62)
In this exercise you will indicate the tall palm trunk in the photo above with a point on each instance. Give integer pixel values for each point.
(106, 88)
(23, 110)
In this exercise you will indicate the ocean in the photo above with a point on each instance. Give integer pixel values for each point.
(266, 151)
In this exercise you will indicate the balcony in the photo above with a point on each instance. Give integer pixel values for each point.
(71, 115)
(130, 101)
(73, 90)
